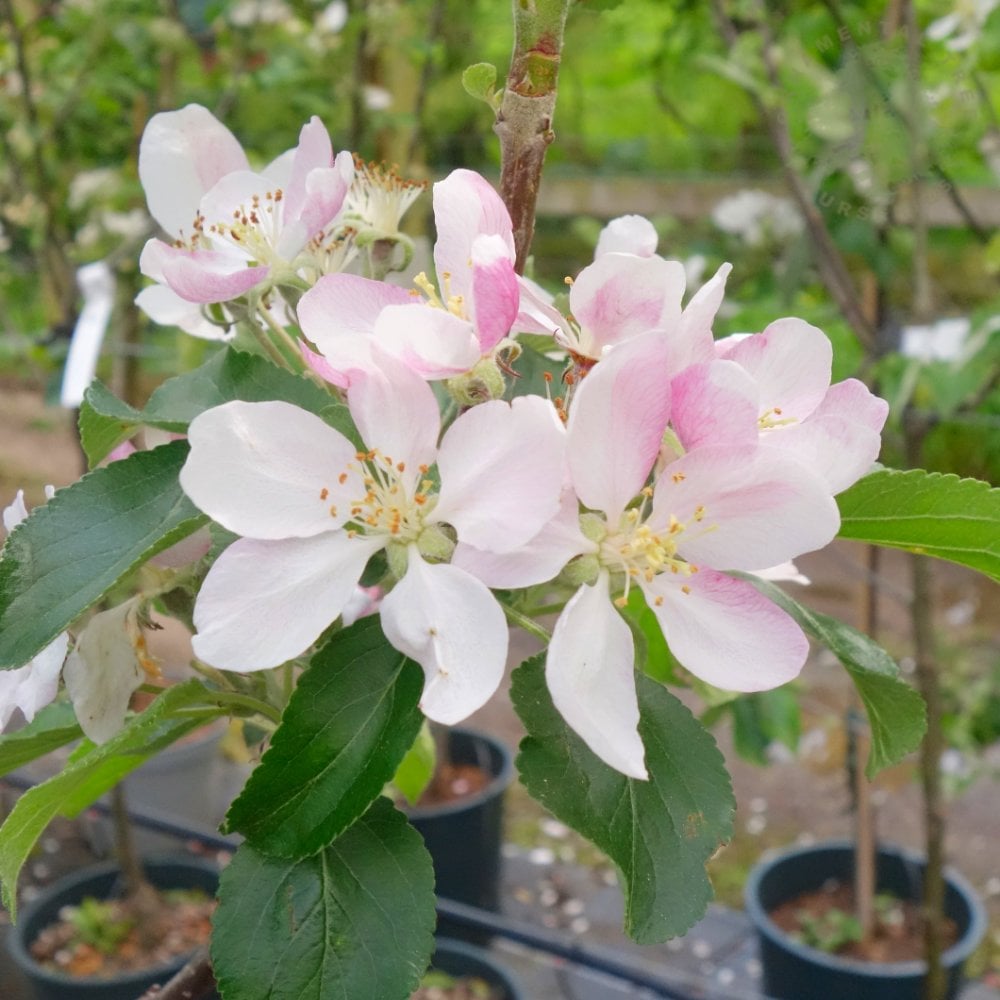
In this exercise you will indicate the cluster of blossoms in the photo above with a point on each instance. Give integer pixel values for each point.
(668, 461)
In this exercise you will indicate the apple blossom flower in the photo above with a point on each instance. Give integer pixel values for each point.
(628, 290)
(32, 686)
(233, 229)
(773, 388)
(437, 332)
(313, 510)
(714, 508)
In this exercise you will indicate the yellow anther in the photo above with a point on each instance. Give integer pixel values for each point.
(678, 477)
(686, 589)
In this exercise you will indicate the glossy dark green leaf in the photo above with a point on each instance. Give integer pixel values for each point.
(896, 712)
(105, 422)
(351, 720)
(929, 513)
(69, 552)
(355, 920)
(91, 771)
(659, 832)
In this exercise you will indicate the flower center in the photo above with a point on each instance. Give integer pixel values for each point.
(772, 418)
(253, 229)
(388, 506)
(641, 552)
(455, 304)
(379, 198)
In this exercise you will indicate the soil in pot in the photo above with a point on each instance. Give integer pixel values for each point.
(104, 938)
(824, 918)
(453, 782)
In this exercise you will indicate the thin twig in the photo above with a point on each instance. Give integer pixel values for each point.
(195, 980)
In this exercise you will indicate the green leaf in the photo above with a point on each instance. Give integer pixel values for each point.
(230, 374)
(926, 512)
(68, 553)
(659, 832)
(479, 81)
(53, 727)
(760, 719)
(90, 773)
(417, 768)
(105, 422)
(350, 722)
(896, 713)
(536, 375)
(355, 920)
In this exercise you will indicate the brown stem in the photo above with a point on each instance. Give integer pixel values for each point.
(193, 981)
(142, 896)
(915, 429)
(524, 121)
(832, 268)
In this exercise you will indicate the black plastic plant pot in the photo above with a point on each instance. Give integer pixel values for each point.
(102, 882)
(459, 958)
(794, 971)
(464, 836)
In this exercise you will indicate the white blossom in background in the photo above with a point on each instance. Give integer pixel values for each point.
(332, 18)
(32, 686)
(961, 29)
(247, 13)
(757, 218)
(940, 341)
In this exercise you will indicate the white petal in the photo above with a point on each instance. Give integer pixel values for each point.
(430, 341)
(103, 670)
(590, 673)
(692, 342)
(628, 234)
(453, 627)
(181, 156)
(264, 602)
(501, 469)
(164, 306)
(34, 685)
(15, 513)
(269, 470)
(726, 632)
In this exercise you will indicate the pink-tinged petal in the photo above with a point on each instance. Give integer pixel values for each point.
(835, 448)
(743, 509)
(164, 306)
(726, 632)
(465, 206)
(200, 276)
(692, 343)
(786, 572)
(620, 296)
(454, 628)
(182, 154)
(357, 357)
(853, 400)
(501, 467)
(313, 151)
(616, 423)
(264, 602)
(344, 307)
(791, 361)
(714, 403)
(495, 293)
(326, 189)
(628, 234)
(536, 314)
(590, 673)
(540, 559)
(432, 342)
(396, 414)
(270, 470)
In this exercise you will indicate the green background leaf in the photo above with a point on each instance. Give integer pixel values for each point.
(355, 920)
(72, 550)
(659, 832)
(926, 512)
(896, 713)
(350, 722)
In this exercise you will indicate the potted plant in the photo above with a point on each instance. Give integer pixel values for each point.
(463, 971)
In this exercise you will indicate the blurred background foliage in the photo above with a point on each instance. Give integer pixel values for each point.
(666, 107)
